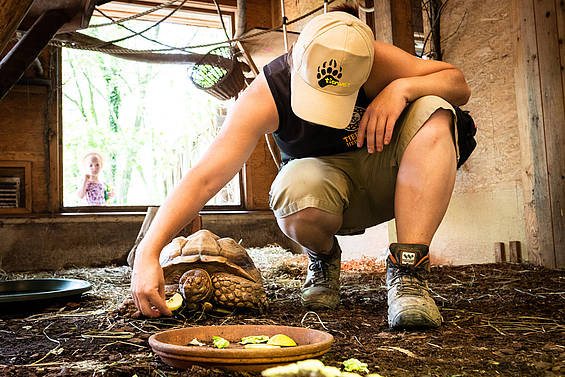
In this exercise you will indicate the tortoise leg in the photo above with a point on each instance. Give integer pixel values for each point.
(234, 291)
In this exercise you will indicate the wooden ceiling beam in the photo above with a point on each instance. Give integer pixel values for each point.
(14, 64)
(12, 12)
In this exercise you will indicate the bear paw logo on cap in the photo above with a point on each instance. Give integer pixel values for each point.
(329, 75)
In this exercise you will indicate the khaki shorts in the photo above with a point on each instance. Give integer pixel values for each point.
(358, 185)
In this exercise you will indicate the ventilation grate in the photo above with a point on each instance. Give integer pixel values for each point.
(9, 192)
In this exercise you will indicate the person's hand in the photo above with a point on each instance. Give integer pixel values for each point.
(87, 177)
(148, 288)
(377, 123)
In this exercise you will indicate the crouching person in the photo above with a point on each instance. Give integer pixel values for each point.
(366, 132)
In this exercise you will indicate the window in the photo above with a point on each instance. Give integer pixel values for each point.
(148, 121)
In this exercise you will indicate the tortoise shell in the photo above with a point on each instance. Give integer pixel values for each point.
(209, 252)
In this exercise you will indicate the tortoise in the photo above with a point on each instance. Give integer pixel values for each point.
(212, 272)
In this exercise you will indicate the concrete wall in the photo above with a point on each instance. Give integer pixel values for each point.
(487, 205)
(64, 241)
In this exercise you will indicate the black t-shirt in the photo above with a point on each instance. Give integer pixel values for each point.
(297, 138)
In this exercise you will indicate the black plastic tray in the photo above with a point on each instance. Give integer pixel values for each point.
(40, 289)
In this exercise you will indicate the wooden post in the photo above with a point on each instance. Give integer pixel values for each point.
(515, 252)
(12, 12)
(402, 26)
(392, 20)
(149, 216)
(499, 252)
(553, 102)
(532, 131)
(382, 21)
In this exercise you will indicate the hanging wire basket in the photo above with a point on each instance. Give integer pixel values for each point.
(218, 73)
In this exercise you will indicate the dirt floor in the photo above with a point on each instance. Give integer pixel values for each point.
(499, 320)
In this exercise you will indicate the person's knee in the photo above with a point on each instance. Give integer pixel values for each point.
(310, 227)
(438, 129)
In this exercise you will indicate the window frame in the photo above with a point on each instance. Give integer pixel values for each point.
(121, 9)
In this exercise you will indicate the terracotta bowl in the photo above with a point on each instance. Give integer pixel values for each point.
(174, 349)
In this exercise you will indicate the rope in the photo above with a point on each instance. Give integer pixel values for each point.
(122, 50)
(154, 9)
(221, 19)
(150, 27)
(143, 36)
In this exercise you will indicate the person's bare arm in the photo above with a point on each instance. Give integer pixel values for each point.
(81, 192)
(398, 78)
(253, 115)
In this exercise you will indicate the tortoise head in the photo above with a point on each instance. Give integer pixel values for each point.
(195, 286)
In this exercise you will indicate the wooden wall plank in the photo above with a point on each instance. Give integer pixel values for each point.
(54, 127)
(392, 20)
(560, 10)
(382, 20)
(535, 181)
(402, 26)
(554, 120)
(560, 13)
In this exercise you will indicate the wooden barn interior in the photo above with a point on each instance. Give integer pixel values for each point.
(510, 193)
(498, 256)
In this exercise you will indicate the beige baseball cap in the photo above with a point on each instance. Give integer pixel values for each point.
(331, 60)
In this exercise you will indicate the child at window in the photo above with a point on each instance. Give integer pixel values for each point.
(93, 191)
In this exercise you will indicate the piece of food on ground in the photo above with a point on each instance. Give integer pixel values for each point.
(196, 342)
(256, 346)
(220, 342)
(254, 339)
(174, 302)
(354, 365)
(311, 367)
(281, 340)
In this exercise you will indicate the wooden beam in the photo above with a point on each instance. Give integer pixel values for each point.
(14, 64)
(553, 104)
(382, 21)
(54, 133)
(499, 252)
(532, 133)
(515, 252)
(12, 12)
(402, 27)
(392, 20)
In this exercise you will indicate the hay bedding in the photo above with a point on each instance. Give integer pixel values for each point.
(500, 319)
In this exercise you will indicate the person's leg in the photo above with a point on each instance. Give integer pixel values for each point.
(308, 197)
(424, 184)
(312, 228)
(425, 180)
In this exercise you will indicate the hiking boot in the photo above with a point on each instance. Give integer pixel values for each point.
(321, 288)
(409, 301)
